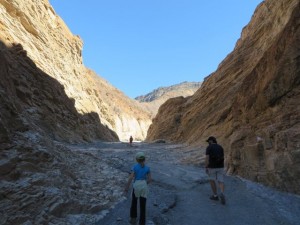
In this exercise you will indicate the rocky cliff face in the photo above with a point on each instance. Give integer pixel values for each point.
(32, 101)
(251, 103)
(153, 100)
(57, 52)
(43, 181)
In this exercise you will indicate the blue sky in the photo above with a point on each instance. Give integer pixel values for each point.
(140, 45)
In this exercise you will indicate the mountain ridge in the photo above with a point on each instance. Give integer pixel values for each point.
(153, 100)
(160, 91)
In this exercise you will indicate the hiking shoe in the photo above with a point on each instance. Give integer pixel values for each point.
(215, 198)
(132, 221)
(222, 197)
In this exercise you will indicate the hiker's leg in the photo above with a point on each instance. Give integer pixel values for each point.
(213, 186)
(220, 178)
(143, 210)
(133, 208)
(222, 187)
(212, 177)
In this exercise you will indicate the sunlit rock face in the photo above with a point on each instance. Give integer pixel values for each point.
(251, 103)
(57, 52)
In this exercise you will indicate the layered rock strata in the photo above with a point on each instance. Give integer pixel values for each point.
(251, 103)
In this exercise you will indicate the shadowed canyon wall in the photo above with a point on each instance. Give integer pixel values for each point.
(251, 103)
(32, 101)
(56, 51)
(42, 181)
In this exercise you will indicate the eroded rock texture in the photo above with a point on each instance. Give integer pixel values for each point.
(251, 103)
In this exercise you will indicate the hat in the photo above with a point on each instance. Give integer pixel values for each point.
(211, 138)
(140, 155)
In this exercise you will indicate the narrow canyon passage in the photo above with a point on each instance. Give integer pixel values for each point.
(179, 194)
(55, 109)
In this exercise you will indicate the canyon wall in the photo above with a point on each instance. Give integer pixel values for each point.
(49, 98)
(250, 103)
(57, 52)
(42, 180)
(32, 101)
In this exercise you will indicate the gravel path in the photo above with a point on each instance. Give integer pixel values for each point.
(179, 194)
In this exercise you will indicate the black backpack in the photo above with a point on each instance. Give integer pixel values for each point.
(217, 156)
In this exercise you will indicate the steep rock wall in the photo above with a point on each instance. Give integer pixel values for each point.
(251, 103)
(33, 101)
(42, 181)
(56, 51)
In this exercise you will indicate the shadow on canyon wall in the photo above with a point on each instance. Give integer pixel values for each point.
(31, 100)
(42, 180)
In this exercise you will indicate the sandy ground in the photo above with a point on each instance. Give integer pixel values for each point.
(179, 194)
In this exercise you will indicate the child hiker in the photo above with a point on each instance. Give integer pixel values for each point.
(142, 177)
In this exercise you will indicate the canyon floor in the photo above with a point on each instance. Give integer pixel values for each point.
(179, 193)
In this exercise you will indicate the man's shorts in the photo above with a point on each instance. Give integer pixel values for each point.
(216, 174)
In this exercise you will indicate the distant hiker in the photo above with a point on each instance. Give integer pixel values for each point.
(214, 164)
(142, 177)
(130, 140)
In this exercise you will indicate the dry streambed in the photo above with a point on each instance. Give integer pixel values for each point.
(83, 184)
(180, 194)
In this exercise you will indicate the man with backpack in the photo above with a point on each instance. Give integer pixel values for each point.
(214, 164)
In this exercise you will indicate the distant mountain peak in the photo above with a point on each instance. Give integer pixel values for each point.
(182, 89)
(153, 100)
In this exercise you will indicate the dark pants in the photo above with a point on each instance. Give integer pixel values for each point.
(133, 208)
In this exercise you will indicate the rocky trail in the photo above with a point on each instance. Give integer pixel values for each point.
(179, 194)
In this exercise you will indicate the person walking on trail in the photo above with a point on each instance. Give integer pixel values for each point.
(214, 164)
(142, 177)
(130, 140)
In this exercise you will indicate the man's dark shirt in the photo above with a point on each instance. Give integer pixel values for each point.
(216, 156)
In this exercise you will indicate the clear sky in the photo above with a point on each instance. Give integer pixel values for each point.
(140, 45)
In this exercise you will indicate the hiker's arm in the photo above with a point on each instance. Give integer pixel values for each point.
(207, 157)
(149, 178)
(131, 176)
(206, 163)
